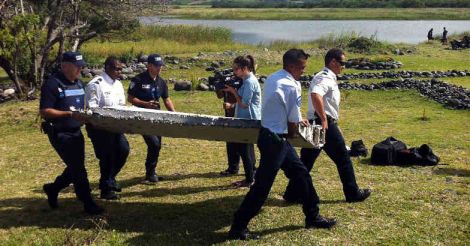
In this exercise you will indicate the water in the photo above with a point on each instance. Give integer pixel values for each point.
(265, 31)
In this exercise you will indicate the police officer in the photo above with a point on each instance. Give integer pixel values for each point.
(323, 108)
(145, 91)
(60, 94)
(280, 115)
(111, 148)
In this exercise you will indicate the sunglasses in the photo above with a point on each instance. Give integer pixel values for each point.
(342, 63)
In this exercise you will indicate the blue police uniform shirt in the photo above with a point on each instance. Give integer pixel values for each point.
(281, 102)
(250, 92)
(61, 94)
(145, 88)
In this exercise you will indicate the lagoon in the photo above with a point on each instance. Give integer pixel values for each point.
(266, 31)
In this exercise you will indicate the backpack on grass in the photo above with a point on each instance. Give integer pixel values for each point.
(386, 152)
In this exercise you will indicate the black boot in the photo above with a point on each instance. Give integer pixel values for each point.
(108, 194)
(320, 222)
(361, 195)
(52, 194)
(243, 234)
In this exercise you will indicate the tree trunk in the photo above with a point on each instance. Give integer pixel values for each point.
(7, 66)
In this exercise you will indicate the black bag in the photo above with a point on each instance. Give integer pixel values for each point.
(385, 152)
(418, 156)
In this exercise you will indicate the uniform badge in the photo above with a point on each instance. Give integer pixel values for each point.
(131, 85)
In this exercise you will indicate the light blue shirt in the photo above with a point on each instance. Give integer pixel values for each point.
(250, 92)
(282, 99)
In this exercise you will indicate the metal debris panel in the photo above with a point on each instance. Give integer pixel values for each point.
(136, 120)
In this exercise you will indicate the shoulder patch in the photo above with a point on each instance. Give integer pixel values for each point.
(131, 85)
(299, 101)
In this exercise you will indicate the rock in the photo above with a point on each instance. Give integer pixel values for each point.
(8, 93)
(124, 77)
(95, 72)
(266, 50)
(215, 64)
(85, 71)
(203, 87)
(88, 75)
(183, 85)
(127, 70)
(184, 67)
(141, 65)
(143, 58)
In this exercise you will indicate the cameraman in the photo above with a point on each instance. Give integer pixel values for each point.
(247, 106)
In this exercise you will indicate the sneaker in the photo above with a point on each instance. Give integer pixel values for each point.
(244, 234)
(229, 172)
(109, 195)
(361, 195)
(52, 195)
(242, 183)
(320, 222)
(92, 208)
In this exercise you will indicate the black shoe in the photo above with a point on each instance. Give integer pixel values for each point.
(52, 195)
(109, 195)
(320, 222)
(92, 208)
(244, 234)
(361, 195)
(116, 187)
(229, 172)
(152, 178)
(358, 149)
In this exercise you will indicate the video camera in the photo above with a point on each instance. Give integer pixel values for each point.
(223, 78)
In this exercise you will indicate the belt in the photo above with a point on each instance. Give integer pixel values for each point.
(328, 118)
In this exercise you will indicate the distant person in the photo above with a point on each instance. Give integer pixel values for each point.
(145, 91)
(430, 35)
(60, 95)
(444, 36)
(112, 149)
(323, 109)
(247, 106)
(280, 116)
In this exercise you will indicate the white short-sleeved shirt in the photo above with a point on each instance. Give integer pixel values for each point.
(281, 101)
(324, 83)
(102, 91)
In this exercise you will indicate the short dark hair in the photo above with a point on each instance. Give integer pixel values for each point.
(334, 53)
(110, 61)
(245, 61)
(293, 56)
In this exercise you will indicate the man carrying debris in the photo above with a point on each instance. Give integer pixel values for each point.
(145, 91)
(111, 148)
(280, 116)
(61, 94)
(323, 109)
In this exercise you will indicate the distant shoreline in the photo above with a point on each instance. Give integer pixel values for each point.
(186, 12)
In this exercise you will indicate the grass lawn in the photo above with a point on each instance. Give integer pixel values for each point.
(194, 205)
(319, 13)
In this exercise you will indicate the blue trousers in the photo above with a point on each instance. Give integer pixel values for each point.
(276, 155)
(233, 157)
(335, 148)
(70, 146)
(154, 145)
(112, 149)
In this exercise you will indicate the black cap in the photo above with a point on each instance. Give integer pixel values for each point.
(156, 60)
(73, 57)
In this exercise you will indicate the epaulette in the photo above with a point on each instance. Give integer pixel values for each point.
(97, 80)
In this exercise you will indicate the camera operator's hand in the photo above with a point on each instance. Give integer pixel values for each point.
(304, 122)
(230, 89)
(228, 105)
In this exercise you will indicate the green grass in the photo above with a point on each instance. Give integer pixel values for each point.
(194, 205)
(320, 13)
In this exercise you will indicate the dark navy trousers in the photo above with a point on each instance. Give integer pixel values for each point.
(247, 153)
(154, 145)
(276, 154)
(112, 150)
(233, 157)
(335, 148)
(70, 146)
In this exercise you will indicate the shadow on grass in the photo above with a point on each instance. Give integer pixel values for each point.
(452, 171)
(202, 222)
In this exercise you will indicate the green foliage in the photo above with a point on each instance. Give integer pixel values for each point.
(184, 33)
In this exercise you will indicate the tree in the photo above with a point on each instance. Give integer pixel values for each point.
(35, 33)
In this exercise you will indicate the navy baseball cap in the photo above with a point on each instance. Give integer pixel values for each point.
(156, 60)
(73, 57)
